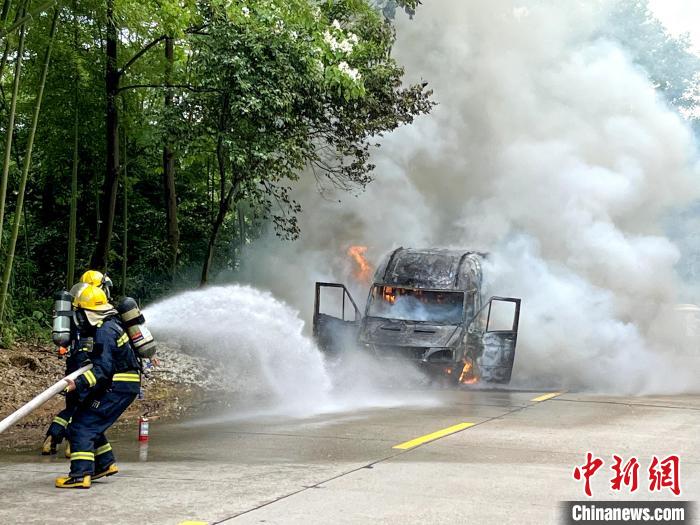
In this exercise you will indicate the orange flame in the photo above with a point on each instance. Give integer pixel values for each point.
(468, 376)
(389, 295)
(363, 270)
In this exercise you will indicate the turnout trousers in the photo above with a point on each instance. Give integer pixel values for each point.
(90, 450)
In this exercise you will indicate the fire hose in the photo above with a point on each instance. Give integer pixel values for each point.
(39, 400)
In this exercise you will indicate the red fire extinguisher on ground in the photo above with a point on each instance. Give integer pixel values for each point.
(143, 428)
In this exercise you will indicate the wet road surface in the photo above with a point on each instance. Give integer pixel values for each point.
(467, 456)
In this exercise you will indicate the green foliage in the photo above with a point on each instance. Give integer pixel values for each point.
(31, 320)
(275, 89)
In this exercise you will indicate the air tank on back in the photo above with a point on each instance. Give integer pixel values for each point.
(62, 317)
(140, 336)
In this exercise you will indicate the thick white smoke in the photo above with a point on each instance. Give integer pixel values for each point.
(551, 151)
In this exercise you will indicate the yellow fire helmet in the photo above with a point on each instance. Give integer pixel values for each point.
(92, 277)
(92, 298)
(97, 278)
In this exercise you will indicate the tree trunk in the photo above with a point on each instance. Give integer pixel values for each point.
(11, 125)
(211, 248)
(169, 168)
(25, 170)
(73, 224)
(125, 213)
(224, 197)
(210, 192)
(100, 257)
(224, 208)
(241, 230)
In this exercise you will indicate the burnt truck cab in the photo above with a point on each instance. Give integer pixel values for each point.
(426, 306)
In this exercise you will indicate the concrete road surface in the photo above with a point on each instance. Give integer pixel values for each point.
(509, 459)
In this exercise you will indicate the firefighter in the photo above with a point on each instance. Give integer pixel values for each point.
(104, 392)
(76, 357)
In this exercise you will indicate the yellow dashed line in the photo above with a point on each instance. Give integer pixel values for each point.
(545, 397)
(432, 437)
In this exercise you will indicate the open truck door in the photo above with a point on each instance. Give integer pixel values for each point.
(498, 340)
(335, 333)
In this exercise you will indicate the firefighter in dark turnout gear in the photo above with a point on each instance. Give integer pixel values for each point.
(104, 392)
(76, 357)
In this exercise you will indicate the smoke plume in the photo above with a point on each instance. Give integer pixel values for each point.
(550, 150)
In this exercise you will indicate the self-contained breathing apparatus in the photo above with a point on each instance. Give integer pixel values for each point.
(62, 318)
(130, 315)
(134, 322)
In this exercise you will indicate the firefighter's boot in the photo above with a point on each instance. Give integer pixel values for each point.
(68, 482)
(110, 470)
(49, 446)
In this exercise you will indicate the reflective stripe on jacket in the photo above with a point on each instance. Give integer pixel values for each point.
(114, 363)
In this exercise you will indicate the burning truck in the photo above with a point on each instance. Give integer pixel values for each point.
(427, 307)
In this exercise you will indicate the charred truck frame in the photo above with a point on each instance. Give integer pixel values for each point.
(428, 307)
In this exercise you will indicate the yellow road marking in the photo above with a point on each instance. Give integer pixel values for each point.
(432, 437)
(193, 523)
(545, 397)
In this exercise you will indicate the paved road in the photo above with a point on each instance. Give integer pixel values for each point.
(512, 465)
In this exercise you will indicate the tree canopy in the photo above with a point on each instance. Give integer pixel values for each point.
(171, 133)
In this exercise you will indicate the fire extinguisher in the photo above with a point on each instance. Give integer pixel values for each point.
(143, 428)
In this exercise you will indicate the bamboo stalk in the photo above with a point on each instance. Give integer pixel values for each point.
(73, 224)
(11, 128)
